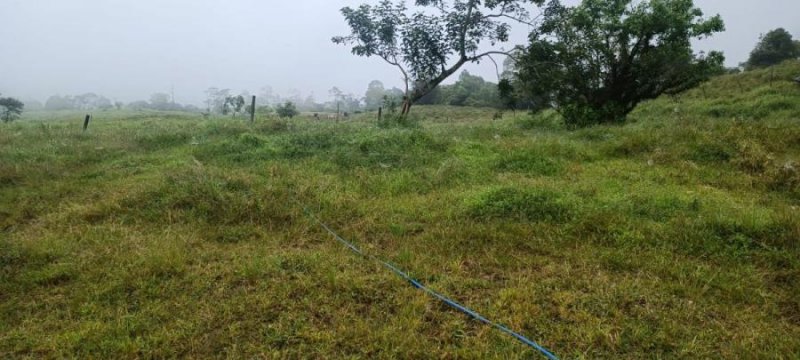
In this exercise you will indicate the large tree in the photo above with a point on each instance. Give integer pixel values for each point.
(10, 109)
(773, 48)
(596, 61)
(431, 43)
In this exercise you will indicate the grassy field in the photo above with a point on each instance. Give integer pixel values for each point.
(167, 235)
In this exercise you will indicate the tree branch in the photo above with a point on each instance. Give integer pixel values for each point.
(463, 36)
(402, 70)
(496, 67)
(502, 15)
(493, 52)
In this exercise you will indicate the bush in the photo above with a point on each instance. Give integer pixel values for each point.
(287, 110)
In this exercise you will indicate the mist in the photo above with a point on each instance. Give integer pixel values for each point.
(127, 50)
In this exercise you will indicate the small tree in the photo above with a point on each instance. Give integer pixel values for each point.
(595, 62)
(287, 110)
(373, 98)
(773, 48)
(429, 45)
(507, 94)
(10, 109)
(233, 104)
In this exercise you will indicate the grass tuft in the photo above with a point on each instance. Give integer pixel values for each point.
(512, 203)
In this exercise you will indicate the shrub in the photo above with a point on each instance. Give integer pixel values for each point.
(287, 110)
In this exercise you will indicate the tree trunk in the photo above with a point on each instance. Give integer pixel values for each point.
(419, 92)
(406, 106)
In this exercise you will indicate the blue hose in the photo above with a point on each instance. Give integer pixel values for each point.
(430, 292)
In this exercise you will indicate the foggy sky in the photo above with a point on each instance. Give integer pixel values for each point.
(129, 49)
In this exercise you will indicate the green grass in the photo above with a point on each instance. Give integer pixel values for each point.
(169, 235)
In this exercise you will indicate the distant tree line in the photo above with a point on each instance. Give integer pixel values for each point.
(158, 101)
(91, 101)
(88, 101)
(468, 90)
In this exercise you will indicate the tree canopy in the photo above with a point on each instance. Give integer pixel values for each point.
(430, 44)
(596, 61)
(773, 48)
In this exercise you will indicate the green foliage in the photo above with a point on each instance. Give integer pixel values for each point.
(507, 94)
(772, 49)
(468, 90)
(423, 44)
(233, 104)
(390, 104)
(287, 110)
(10, 109)
(471, 90)
(598, 60)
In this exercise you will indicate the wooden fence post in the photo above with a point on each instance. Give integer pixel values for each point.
(253, 110)
(86, 122)
(380, 111)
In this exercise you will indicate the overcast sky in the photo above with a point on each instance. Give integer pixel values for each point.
(129, 49)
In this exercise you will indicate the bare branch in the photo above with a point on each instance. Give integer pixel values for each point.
(496, 67)
(519, 20)
(493, 52)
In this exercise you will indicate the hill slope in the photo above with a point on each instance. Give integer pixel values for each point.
(164, 235)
